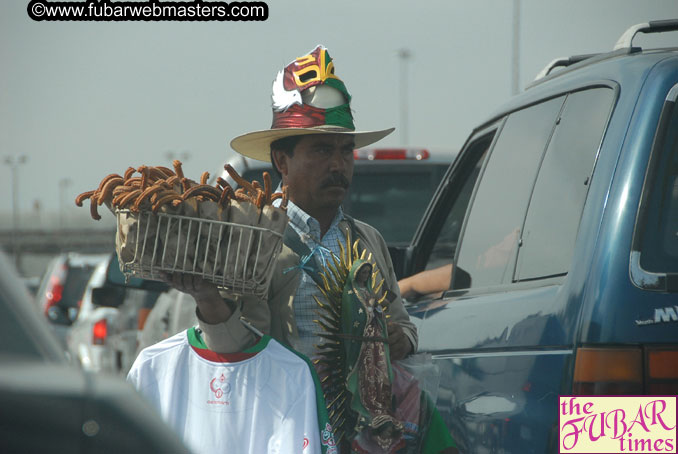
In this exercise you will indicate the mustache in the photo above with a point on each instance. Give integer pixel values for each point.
(336, 179)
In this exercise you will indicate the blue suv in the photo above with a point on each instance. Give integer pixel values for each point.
(560, 220)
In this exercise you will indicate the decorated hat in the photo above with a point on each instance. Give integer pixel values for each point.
(308, 98)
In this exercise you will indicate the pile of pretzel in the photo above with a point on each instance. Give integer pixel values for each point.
(157, 187)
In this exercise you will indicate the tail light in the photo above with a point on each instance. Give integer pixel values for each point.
(662, 371)
(370, 154)
(99, 332)
(142, 315)
(608, 371)
(55, 289)
(627, 370)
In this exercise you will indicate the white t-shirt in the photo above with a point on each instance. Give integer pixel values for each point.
(266, 399)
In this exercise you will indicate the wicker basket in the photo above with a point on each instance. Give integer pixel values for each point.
(234, 256)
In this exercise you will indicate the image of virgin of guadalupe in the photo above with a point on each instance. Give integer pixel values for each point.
(370, 376)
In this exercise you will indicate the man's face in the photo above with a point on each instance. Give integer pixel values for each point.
(319, 172)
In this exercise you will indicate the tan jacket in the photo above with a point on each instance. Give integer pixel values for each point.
(277, 317)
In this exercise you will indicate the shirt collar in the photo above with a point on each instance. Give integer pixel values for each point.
(304, 223)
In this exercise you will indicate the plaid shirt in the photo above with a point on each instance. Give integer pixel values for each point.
(305, 306)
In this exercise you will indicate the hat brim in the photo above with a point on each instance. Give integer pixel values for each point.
(257, 144)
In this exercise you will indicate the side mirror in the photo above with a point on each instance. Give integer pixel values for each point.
(400, 256)
(108, 296)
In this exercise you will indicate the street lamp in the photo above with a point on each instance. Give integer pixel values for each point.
(515, 55)
(14, 162)
(404, 55)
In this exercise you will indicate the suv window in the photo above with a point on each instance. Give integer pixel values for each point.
(657, 231)
(550, 230)
(489, 244)
(457, 202)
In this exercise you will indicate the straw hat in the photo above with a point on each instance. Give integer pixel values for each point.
(308, 98)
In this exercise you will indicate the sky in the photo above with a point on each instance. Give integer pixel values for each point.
(80, 100)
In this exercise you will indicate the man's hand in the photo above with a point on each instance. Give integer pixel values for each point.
(398, 342)
(212, 307)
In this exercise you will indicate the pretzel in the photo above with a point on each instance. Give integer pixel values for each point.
(147, 193)
(186, 184)
(160, 185)
(106, 179)
(165, 199)
(118, 197)
(202, 189)
(173, 180)
(238, 179)
(268, 187)
(166, 171)
(222, 183)
(84, 196)
(107, 190)
(242, 195)
(127, 198)
(133, 182)
(129, 172)
(226, 195)
(158, 195)
(93, 209)
(143, 170)
(177, 169)
(122, 189)
(157, 174)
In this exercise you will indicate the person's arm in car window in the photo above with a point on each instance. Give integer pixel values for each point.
(429, 282)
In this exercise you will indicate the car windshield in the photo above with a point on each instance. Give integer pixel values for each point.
(392, 198)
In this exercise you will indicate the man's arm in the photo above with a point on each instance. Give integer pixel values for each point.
(402, 334)
(212, 308)
(427, 282)
(218, 317)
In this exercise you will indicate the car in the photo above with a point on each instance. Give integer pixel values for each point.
(104, 334)
(559, 217)
(50, 405)
(62, 286)
(390, 190)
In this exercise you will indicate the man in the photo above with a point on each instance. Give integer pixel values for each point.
(311, 144)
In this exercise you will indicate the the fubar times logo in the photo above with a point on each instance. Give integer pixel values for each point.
(617, 424)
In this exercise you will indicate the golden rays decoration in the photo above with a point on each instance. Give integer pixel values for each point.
(331, 361)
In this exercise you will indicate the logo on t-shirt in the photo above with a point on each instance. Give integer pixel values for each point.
(220, 388)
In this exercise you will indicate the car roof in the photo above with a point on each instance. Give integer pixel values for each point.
(617, 67)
